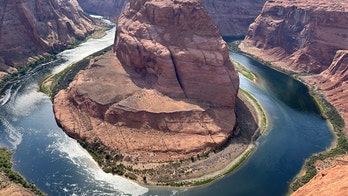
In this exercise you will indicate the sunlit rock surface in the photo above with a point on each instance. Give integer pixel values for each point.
(171, 97)
(30, 28)
(308, 37)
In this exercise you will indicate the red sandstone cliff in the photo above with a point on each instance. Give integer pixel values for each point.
(310, 37)
(232, 17)
(172, 97)
(331, 181)
(300, 35)
(33, 27)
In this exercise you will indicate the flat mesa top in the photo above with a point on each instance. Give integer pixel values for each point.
(108, 83)
(152, 101)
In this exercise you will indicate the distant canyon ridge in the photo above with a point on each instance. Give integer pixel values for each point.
(232, 17)
(310, 38)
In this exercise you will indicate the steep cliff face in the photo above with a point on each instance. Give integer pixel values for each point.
(309, 37)
(300, 36)
(329, 181)
(232, 17)
(172, 97)
(333, 83)
(178, 49)
(32, 27)
(108, 8)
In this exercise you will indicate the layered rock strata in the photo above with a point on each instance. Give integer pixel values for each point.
(331, 181)
(301, 36)
(33, 27)
(305, 37)
(308, 37)
(232, 17)
(171, 97)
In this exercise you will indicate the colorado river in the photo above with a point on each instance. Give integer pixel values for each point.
(58, 165)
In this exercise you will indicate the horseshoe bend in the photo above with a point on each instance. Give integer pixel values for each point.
(165, 97)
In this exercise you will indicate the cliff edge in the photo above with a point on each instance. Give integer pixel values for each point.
(169, 95)
(310, 38)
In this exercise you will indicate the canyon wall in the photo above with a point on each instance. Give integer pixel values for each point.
(305, 37)
(309, 38)
(108, 8)
(300, 36)
(169, 95)
(32, 27)
(232, 17)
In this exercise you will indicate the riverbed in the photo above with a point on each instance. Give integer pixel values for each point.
(58, 165)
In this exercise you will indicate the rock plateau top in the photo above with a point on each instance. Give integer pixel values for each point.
(170, 93)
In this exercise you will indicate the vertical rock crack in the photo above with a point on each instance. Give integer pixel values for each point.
(177, 74)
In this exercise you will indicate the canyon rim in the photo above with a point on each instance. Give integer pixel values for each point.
(165, 99)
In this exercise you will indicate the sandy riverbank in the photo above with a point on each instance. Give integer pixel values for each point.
(199, 168)
(202, 169)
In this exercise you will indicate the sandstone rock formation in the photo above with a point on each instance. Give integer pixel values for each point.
(300, 35)
(232, 17)
(331, 181)
(172, 97)
(178, 49)
(308, 37)
(333, 83)
(33, 27)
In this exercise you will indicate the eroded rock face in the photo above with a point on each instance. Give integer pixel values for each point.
(333, 83)
(309, 37)
(140, 124)
(32, 27)
(331, 181)
(300, 35)
(172, 97)
(178, 49)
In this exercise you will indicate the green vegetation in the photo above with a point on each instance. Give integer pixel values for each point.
(54, 83)
(10, 78)
(259, 108)
(6, 167)
(243, 70)
(107, 159)
(233, 45)
(240, 161)
(330, 113)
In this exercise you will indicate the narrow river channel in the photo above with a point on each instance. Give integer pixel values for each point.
(45, 156)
